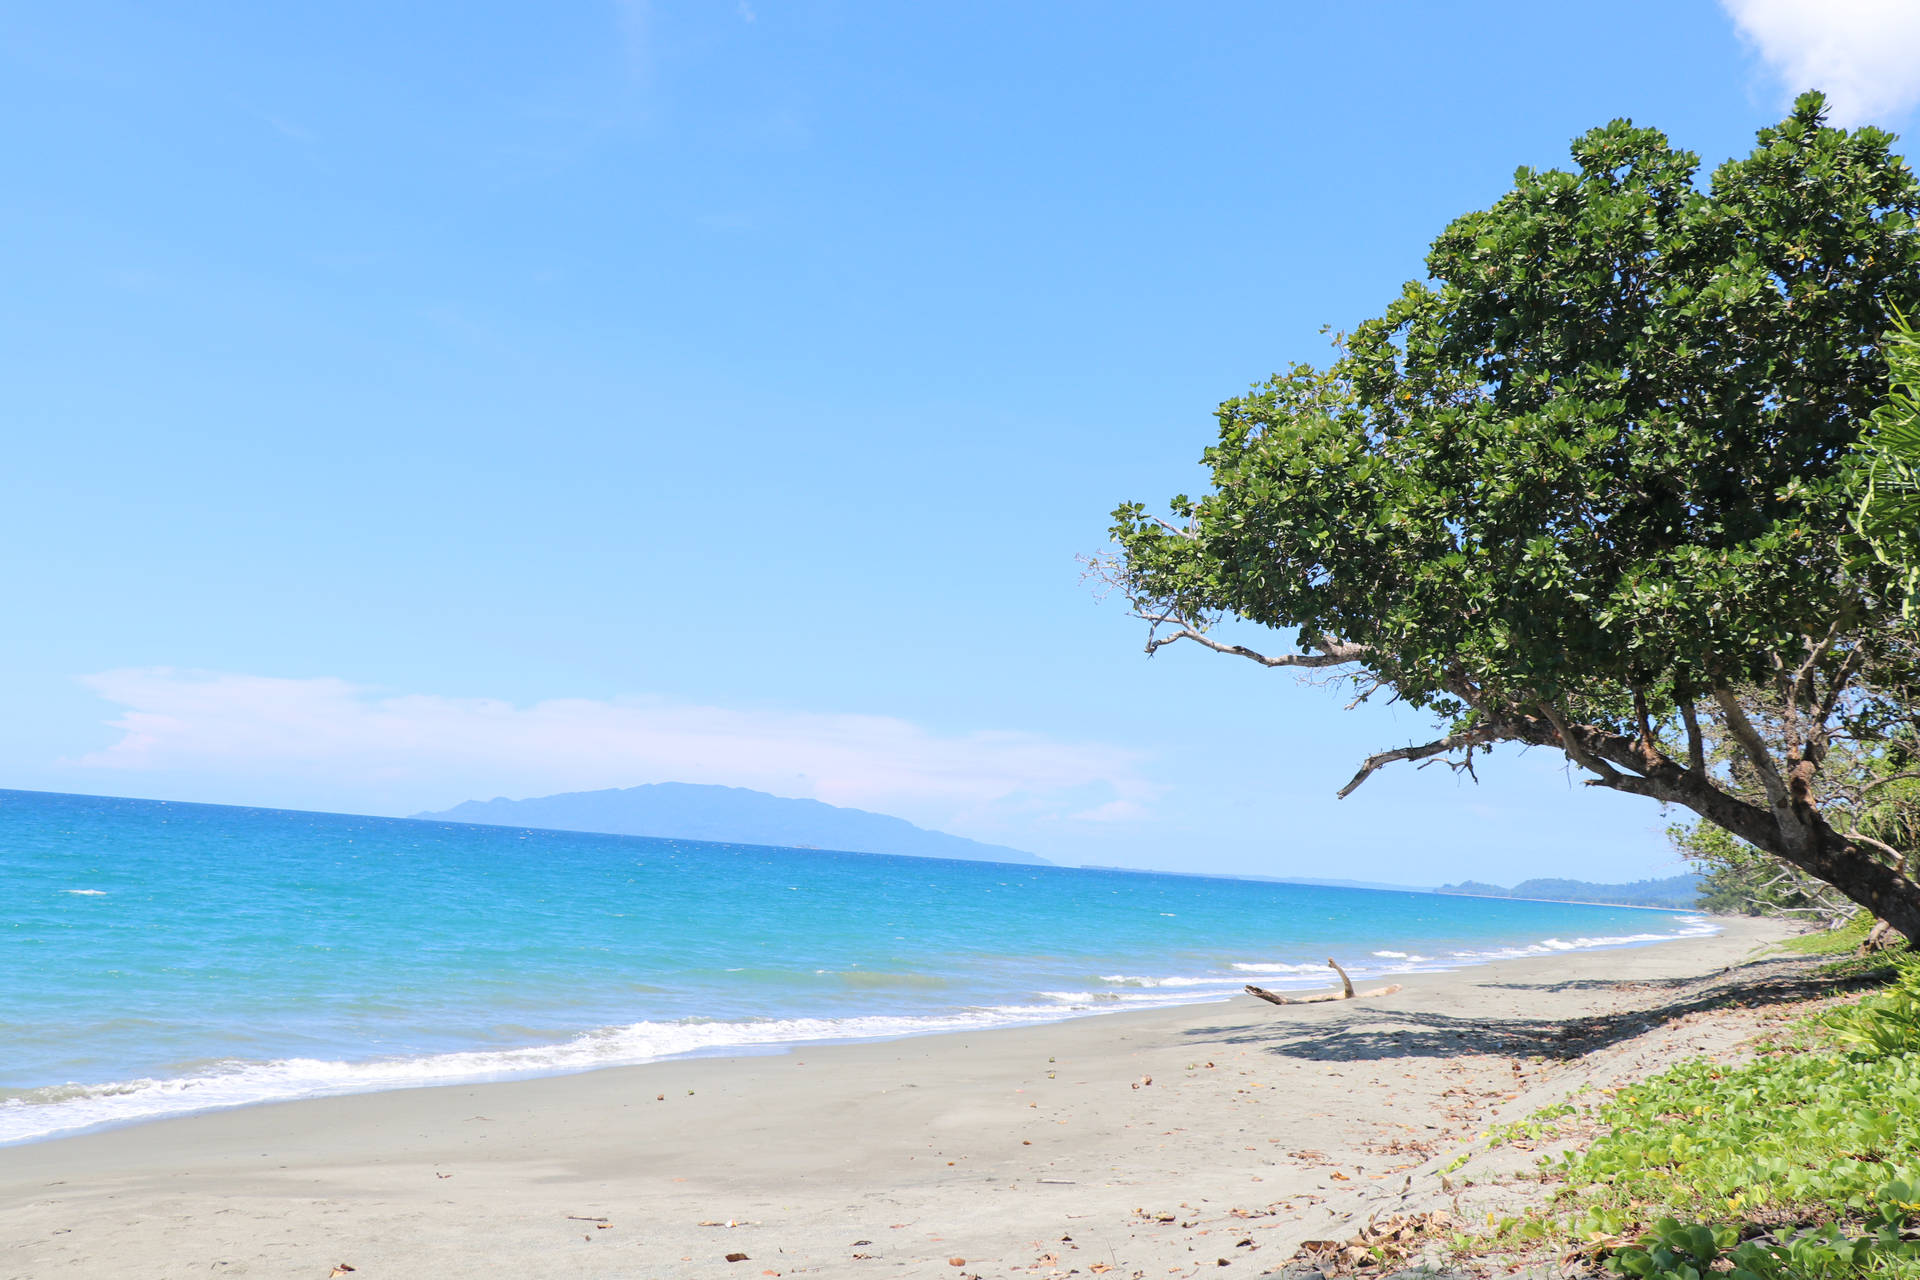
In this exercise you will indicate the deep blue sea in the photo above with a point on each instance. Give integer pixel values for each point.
(159, 958)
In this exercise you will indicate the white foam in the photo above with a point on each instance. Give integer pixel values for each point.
(44, 1113)
(87, 893)
(1391, 955)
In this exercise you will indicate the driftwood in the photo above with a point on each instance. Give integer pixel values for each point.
(1346, 991)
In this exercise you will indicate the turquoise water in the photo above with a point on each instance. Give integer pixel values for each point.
(157, 958)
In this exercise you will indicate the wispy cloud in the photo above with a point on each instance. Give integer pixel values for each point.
(1865, 54)
(227, 727)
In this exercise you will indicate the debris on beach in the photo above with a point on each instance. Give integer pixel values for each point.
(1346, 991)
(1380, 1244)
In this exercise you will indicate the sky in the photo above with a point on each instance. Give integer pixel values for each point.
(413, 404)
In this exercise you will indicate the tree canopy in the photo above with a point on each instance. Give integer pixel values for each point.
(1588, 486)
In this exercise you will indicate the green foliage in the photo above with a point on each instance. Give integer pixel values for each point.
(1676, 1251)
(1833, 942)
(1600, 452)
(1825, 1140)
(1878, 966)
(1887, 482)
(1803, 1135)
(1887, 1023)
(1544, 1123)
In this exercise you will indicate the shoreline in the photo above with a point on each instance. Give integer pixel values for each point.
(383, 1075)
(1266, 1125)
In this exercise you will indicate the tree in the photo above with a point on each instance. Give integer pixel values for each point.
(1586, 488)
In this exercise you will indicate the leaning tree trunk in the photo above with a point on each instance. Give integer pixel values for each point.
(1799, 835)
(1853, 870)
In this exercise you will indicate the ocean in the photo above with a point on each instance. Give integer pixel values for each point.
(160, 958)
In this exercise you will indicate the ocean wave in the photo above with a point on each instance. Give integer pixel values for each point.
(68, 1108)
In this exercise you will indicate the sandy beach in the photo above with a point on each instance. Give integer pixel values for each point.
(1032, 1151)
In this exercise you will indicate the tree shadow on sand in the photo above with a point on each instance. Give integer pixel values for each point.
(1371, 1032)
(1597, 984)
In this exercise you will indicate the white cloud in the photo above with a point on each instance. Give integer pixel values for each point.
(1865, 54)
(230, 728)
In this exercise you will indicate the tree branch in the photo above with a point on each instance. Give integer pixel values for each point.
(1899, 858)
(1577, 751)
(1177, 531)
(1756, 749)
(1452, 742)
(1332, 654)
(1696, 745)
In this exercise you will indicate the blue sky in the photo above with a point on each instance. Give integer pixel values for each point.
(409, 405)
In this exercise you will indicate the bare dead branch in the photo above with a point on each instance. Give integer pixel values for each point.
(1178, 531)
(1899, 858)
(1468, 738)
(1332, 653)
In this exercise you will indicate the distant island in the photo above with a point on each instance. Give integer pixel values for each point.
(727, 815)
(1675, 891)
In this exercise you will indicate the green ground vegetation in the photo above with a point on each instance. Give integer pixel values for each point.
(1804, 1162)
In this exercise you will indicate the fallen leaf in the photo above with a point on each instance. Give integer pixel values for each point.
(736, 1257)
(340, 1270)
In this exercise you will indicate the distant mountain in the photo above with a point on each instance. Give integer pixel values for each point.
(727, 815)
(1674, 891)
